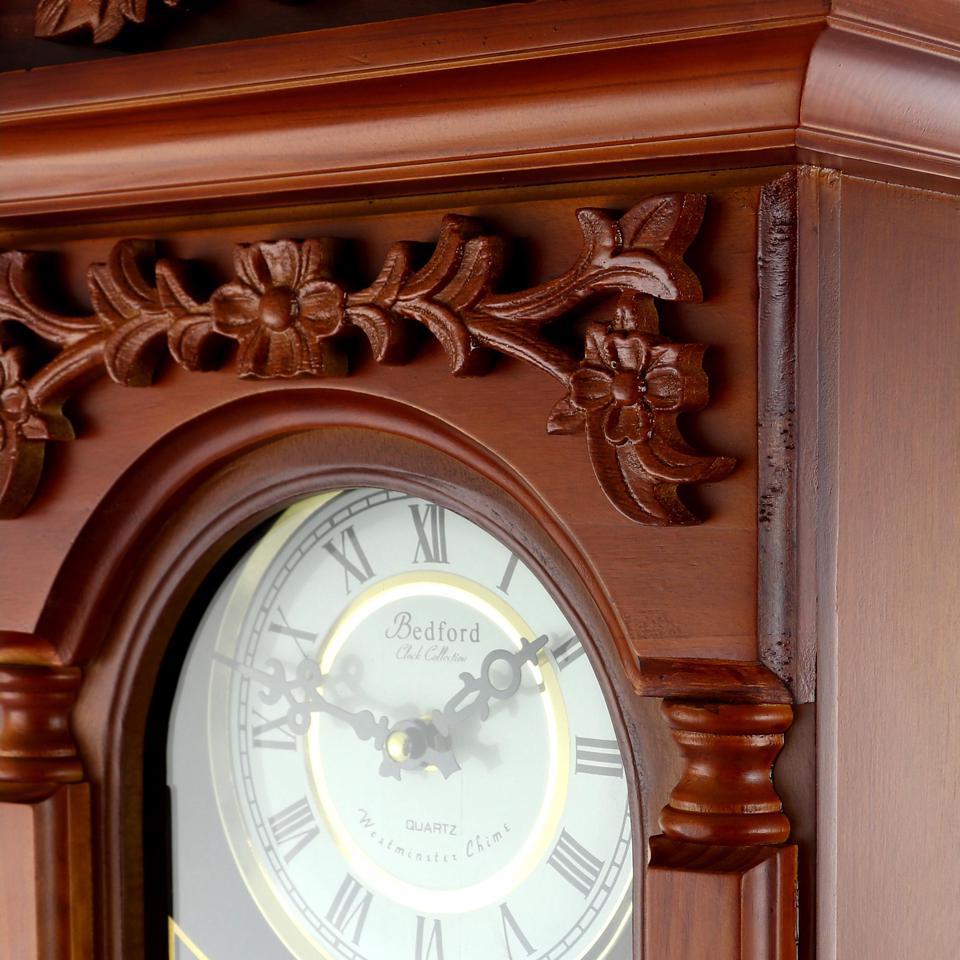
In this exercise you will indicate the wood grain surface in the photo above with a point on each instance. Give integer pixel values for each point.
(540, 92)
(889, 790)
(714, 614)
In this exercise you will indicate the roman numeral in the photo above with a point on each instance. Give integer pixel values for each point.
(577, 865)
(601, 757)
(350, 905)
(358, 566)
(568, 651)
(504, 584)
(512, 932)
(431, 533)
(299, 637)
(287, 740)
(429, 947)
(294, 824)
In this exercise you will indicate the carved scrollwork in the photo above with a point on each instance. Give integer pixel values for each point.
(104, 19)
(292, 317)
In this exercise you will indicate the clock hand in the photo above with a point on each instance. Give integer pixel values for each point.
(306, 680)
(482, 689)
(412, 744)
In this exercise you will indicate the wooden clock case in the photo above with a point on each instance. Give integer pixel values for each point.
(787, 228)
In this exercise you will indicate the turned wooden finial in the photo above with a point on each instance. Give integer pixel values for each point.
(726, 794)
(37, 749)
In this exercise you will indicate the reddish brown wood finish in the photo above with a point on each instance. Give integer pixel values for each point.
(543, 91)
(720, 903)
(877, 549)
(725, 795)
(677, 614)
(292, 317)
(46, 886)
(37, 749)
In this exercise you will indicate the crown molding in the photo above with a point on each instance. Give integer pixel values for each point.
(544, 92)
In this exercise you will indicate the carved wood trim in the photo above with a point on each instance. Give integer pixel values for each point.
(103, 19)
(291, 317)
(37, 749)
(725, 795)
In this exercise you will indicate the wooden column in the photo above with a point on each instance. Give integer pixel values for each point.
(721, 884)
(45, 883)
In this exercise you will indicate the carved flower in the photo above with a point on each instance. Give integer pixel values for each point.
(626, 379)
(281, 308)
(18, 414)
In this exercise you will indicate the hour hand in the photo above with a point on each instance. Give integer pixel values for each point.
(303, 698)
(473, 699)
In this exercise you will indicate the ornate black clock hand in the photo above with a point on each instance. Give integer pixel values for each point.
(306, 681)
(482, 689)
(413, 744)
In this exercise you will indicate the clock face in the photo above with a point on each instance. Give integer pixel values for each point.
(389, 743)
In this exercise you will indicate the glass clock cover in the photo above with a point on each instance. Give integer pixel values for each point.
(386, 743)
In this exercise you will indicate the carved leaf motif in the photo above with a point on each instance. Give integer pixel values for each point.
(191, 338)
(463, 268)
(17, 303)
(129, 307)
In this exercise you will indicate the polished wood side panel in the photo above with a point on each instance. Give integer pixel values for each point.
(898, 580)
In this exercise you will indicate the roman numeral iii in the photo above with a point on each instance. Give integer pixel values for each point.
(431, 527)
(577, 865)
(294, 825)
(599, 757)
(350, 905)
(351, 557)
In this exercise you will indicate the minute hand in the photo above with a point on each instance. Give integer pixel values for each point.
(482, 689)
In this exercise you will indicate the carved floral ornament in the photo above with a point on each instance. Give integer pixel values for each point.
(291, 317)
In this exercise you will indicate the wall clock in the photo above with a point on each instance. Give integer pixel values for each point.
(387, 740)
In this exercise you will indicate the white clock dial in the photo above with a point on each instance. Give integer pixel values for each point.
(411, 753)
